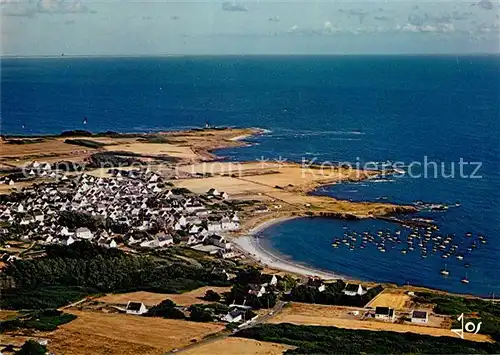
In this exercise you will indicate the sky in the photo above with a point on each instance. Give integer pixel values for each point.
(154, 27)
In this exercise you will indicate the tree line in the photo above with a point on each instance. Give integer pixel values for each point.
(68, 272)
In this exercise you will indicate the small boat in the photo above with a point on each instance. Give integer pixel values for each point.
(465, 280)
(403, 251)
(467, 265)
(460, 257)
(445, 271)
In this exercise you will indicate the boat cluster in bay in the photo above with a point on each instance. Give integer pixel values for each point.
(426, 241)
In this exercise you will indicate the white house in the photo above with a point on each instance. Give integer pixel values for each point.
(165, 240)
(227, 253)
(214, 227)
(154, 178)
(27, 220)
(219, 241)
(67, 241)
(182, 221)
(137, 308)
(221, 272)
(228, 224)
(420, 317)
(273, 281)
(234, 315)
(353, 290)
(257, 290)
(107, 243)
(384, 313)
(83, 233)
(194, 229)
(49, 240)
(189, 239)
(65, 231)
(213, 192)
(38, 216)
(317, 283)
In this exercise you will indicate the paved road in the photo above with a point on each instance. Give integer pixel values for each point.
(261, 319)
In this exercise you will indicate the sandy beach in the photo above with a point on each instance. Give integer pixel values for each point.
(251, 246)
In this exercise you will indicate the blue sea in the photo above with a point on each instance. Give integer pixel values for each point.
(336, 109)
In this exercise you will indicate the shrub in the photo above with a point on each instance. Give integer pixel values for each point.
(31, 347)
(47, 320)
(199, 314)
(165, 309)
(212, 296)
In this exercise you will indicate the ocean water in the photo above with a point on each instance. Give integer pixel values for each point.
(335, 109)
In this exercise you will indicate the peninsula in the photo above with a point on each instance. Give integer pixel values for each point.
(186, 159)
(151, 234)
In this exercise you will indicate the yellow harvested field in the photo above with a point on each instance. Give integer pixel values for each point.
(229, 168)
(241, 346)
(310, 314)
(234, 187)
(49, 150)
(48, 146)
(285, 187)
(105, 333)
(283, 175)
(314, 310)
(154, 149)
(189, 145)
(152, 298)
(396, 299)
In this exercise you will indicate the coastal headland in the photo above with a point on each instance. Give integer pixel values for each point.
(188, 160)
(271, 191)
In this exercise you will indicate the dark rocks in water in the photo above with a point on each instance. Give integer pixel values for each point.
(346, 216)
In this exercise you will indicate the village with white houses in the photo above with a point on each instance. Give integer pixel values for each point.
(133, 209)
(138, 210)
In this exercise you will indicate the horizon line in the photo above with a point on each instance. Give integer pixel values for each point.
(70, 56)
